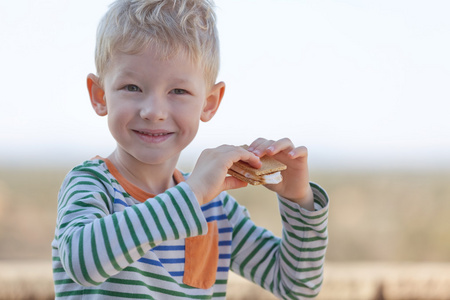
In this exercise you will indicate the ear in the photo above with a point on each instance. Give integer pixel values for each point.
(97, 95)
(213, 101)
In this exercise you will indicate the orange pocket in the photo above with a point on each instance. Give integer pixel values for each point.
(201, 258)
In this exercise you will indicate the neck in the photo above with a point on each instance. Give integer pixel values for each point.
(154, 179)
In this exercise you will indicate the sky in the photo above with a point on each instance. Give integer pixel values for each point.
(360, 83)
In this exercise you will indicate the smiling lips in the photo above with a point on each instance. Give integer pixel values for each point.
(153, 136)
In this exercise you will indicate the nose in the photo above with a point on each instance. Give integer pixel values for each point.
(154, 108)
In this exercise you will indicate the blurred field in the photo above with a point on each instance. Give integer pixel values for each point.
(343, 281)
(385, 227)
(375, 216)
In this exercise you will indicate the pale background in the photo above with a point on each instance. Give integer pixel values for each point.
(361, 83)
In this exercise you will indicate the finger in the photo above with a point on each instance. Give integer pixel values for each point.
(251, 158)
(234, 153)
(299, 152)
(256, 143)
(260, 146)
(232, 183)
(282, 145)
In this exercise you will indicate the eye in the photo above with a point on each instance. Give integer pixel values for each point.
(132, 88)
(178, 92)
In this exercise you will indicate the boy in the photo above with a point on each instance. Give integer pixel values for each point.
(131, 225)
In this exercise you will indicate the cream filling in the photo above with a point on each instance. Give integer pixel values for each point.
(273, 178)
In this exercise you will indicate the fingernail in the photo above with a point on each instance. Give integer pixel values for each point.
(291, 154)
(271, 149)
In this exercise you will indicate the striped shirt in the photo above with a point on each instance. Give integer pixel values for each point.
(110, 244)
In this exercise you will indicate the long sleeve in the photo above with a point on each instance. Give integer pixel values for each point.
(94, 243)
(290, 267)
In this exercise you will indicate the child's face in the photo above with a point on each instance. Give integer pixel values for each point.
(154, 106)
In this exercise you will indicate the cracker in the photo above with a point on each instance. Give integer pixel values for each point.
(243, 178)
(269, 166)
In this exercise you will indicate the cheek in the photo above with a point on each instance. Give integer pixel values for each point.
(188, 118)
(189, 122)
(118, 118)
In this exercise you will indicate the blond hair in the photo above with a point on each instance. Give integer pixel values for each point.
(170, 26)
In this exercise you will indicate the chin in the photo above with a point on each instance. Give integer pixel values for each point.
(157, 159)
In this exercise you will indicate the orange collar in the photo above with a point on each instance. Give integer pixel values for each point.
(136, 192)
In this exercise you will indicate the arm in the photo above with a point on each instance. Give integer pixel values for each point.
(95, 243)
(290, 267)
(293, 266)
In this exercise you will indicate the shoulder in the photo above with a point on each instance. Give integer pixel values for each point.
(94, 166)
(93, 171)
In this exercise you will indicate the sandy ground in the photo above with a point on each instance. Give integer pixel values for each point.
(346, 281)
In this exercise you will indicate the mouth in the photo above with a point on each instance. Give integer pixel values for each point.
(155, 136)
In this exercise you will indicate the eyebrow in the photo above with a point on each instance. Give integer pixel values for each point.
(126, 72)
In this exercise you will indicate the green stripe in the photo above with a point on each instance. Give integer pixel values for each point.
(108, 245)
(94, 181)
(321, 191)
(303, 228)
(88, 170)
(144, 225)
(239, 227)
(243, 241)
(271, 251)
(59, 270)
(267, 271)
(64, 281)
(168, 217)
(98, 265)
(262, 242)
(83, 204)
(297, 259)
(233, 211)
(303, 283)
(70, 258)
(134, 237)
(180, 213)
(63, 201)
(104, 293)
(82, 261)
(157, 289)
(300, 220)
(219, 295)
(304, 249)
(191, 209)
(305, 240)
(69, 212)
(156, 220)
(151, 275)
(292, 208)
(120, 239)
(81, 221)
(225, 200)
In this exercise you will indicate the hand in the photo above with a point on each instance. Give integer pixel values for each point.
(295, 185)
(209, 177)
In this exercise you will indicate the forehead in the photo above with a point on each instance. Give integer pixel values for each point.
(149, 60)
(149, 65)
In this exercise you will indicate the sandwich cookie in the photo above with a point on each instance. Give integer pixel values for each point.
(269, 173)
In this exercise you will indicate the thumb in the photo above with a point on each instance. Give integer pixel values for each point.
(232, 183)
